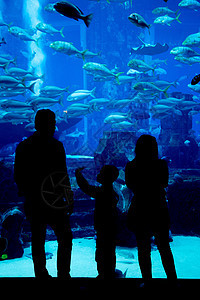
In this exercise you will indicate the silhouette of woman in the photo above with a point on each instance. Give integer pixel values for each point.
(147, 176)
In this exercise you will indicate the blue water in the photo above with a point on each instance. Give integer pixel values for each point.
(110, 33)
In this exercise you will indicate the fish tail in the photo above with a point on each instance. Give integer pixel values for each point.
(154, 69)
(31, 87)
(60, 101)
(177, 18)
(83, 54)
(117, 76)
(61, 32)
(5, 66)
(87, 19)
(165, 91)
(176, 12)
(92, 92)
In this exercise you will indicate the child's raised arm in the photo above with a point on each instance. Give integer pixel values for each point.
(84, 185)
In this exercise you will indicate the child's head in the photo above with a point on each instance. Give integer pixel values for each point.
(108, 174)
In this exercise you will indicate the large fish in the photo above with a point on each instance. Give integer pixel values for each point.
(72, 11)
(138, 20)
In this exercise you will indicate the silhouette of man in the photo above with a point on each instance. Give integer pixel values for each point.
(104, 217)
(147, 176)
(36, 158)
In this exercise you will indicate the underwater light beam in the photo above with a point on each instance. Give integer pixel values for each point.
(31, 11)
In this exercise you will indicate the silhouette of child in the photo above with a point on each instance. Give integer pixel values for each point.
(104, 217)
(147, 176)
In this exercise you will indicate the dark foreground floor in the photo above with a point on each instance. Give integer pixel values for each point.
(68, 289)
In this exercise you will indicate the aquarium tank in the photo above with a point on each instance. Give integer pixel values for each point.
(127, 68)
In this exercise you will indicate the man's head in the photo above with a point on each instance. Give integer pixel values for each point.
(45, 122)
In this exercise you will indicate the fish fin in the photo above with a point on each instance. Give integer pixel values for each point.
(177, 19)
(87, 20)
(61, 32)
(141, 40)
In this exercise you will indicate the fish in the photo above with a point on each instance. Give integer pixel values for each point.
(89, 54)
(101, 70)
(15, 105)
(166, 20)
(138, 20)
(67, 48)
(125, 79)
(4, 62)
(50, 7)
(16, 118)
(81, 94)
(195, 88)
(99, 101)
(187, 143)
(148, 49)
(18, 72)
(72, 11)
(185, 51)
(188, 60)
(119, 103)
(140, 65)
(192, 40)
(78, 109)
(195, 80)
(50, 90)
(21, 33)
(47, 28)
(42, 102)
(123, 125)
(191, 4)
(117, 118)
(164, 11)
(76, 133)
(147, 86)
(9, 81)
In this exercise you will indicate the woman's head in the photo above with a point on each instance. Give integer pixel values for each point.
(146, 147)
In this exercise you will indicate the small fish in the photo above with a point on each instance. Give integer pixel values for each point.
(187, 143)
(191, 4)
(72, 11)
(47, 28)
(67, 48)
(166, 20)
(193, 40)
(195, 80)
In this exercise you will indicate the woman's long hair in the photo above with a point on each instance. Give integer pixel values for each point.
(146, 148)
